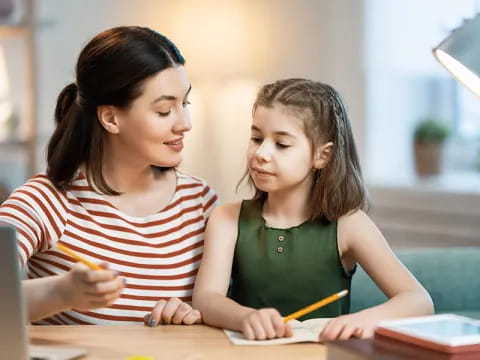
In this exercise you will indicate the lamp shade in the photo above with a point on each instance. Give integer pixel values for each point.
(460, 54)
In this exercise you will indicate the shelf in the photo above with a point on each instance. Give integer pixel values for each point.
(13, 144)
(12, 31)
(461, 183)
(19, 151)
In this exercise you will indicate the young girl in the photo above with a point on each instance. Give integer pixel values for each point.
(112, 194)
(300, 237)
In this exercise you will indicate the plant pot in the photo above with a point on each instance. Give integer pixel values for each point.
(428, 157)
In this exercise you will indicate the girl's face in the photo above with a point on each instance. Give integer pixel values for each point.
(153, 127)
(279, 154)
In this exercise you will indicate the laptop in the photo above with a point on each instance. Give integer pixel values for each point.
(13, 319)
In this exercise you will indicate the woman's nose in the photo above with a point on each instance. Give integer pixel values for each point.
(182, 122)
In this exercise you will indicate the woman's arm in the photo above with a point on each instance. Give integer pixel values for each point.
(34, 210)
(44, 297)
(359, 240)
(80, 289)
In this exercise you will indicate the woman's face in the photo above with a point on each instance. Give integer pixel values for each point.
(151, 130)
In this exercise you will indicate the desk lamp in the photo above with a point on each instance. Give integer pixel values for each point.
(459, 53)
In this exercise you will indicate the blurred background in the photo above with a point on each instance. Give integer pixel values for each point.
(377, 53)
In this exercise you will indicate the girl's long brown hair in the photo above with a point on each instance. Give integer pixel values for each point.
(338, 188)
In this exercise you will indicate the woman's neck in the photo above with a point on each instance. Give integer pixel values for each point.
(126, 175)
(129, 179)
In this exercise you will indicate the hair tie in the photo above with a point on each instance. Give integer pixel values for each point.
(80, 99)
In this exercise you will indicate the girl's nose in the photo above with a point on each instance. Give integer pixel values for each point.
(263, 153)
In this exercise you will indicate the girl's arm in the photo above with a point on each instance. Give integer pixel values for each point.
(211, 285)
(359, 240)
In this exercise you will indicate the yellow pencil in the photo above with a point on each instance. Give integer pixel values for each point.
(77, 257)
(316, 305)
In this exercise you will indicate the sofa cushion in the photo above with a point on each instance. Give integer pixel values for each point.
(450, 275)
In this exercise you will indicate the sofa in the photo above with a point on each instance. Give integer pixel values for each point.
(450, 275)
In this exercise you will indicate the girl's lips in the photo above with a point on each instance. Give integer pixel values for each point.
(261, 172)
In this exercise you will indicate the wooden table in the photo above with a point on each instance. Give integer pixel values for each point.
(164, 342)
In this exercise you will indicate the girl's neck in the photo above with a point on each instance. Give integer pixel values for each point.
(286, 209)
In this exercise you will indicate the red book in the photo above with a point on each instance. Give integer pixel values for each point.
(383, 348)
(447, 333)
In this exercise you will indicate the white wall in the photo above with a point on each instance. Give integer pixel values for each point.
(234, 46)
(231, 47)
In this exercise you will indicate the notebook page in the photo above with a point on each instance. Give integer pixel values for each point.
(316, 325)
(44, 352)
(301, 333)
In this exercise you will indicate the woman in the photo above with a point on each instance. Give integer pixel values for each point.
(112, 194)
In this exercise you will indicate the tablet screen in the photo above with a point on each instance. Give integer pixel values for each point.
(444, 328)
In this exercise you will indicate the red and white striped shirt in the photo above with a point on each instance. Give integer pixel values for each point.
(158, 254)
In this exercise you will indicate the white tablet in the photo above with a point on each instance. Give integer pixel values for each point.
(448, 332)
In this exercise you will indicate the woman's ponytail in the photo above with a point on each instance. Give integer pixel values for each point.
(65, 100)
(70, 143)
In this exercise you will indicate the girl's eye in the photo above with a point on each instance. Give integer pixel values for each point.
(163, 114)
(255, 140)
(186, 103)
(282, 146)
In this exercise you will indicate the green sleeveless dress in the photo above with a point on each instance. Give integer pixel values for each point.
(287, 269)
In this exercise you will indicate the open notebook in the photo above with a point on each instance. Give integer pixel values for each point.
(13, 329)
(303, 331)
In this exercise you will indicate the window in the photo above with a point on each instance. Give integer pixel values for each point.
(404, 83)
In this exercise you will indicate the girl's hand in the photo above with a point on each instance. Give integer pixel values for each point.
(346, 326)
(173, 311)
(83, 288)
(265, 324)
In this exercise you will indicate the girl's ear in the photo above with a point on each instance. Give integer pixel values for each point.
(322, 155)
(107, 116)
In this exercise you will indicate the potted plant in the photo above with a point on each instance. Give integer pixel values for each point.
(429, 137)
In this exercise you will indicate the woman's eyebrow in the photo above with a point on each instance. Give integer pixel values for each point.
(171, 97)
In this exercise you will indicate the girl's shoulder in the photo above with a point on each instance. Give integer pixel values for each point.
(355, 228)
(354, 223)
(353, 217)
(228, 212)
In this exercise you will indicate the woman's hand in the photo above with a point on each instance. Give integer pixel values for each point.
(83, 288)
(265, 324)
(173, 311)
(346, 326)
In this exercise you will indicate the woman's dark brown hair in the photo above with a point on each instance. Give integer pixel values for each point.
(337, 188)
(111, 70)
